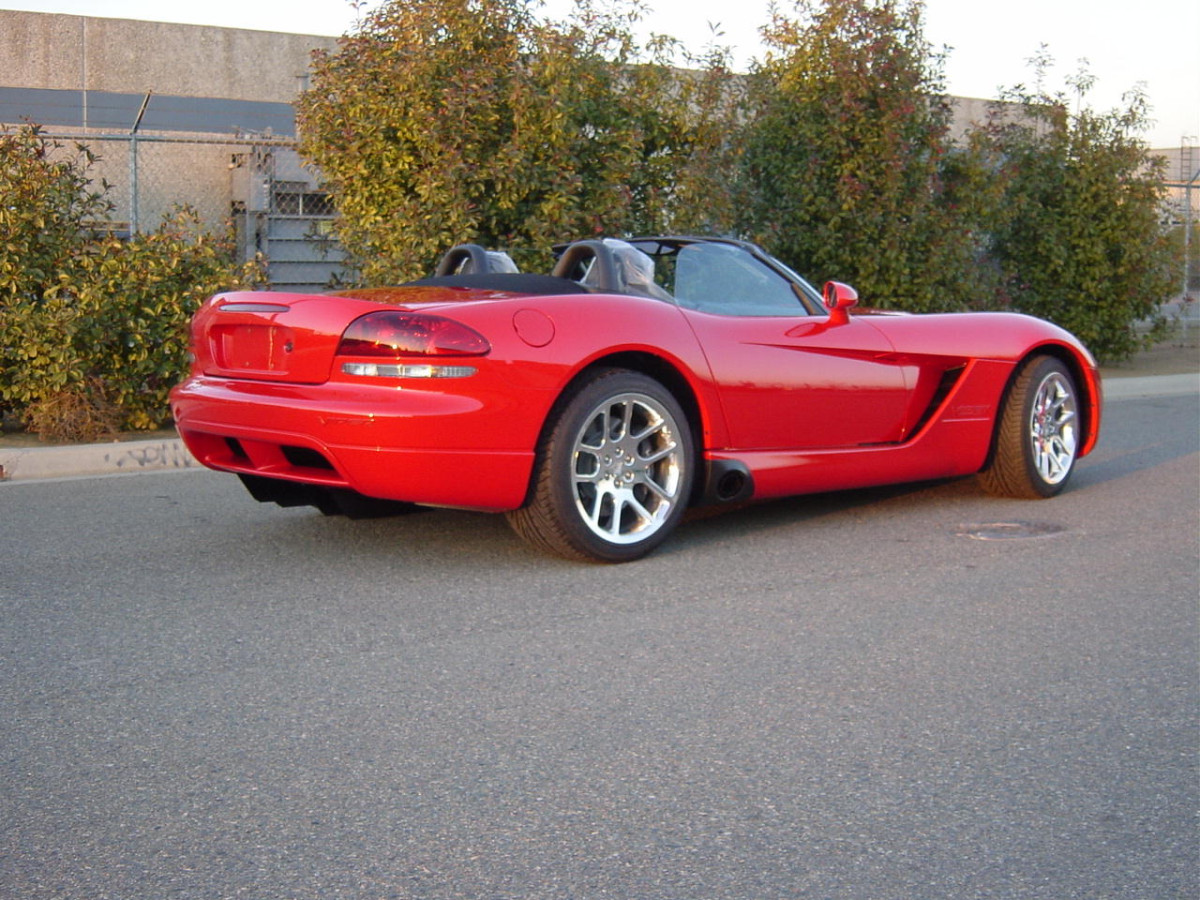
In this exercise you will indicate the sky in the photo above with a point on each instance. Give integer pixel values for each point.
(1153, 43)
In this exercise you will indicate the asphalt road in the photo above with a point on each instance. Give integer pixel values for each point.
(850, 696)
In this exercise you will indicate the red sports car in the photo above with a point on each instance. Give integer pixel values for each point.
(594, 405)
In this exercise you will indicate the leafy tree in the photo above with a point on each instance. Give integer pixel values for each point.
(440, 121)
(1077, 234)
(708, 194)
(93, 328)
(847, 155)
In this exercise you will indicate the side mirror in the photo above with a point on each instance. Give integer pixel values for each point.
(839, 298)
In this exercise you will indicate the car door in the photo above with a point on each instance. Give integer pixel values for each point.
(787, 378)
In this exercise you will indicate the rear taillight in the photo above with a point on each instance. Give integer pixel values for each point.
(395, 335)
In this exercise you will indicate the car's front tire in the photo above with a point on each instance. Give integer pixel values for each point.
(1036, 439)
(614, 472)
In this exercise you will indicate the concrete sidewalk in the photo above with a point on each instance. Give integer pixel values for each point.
(27, 461)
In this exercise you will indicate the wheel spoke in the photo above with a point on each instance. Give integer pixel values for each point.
(643, 514)
(1048, 464)
(660, 454)
(662, 491)
(1062, 455)
(627, 420)
(592, 471)
(593, 514)
(651, 428)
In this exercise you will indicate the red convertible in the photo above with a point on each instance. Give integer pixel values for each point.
(594, 405)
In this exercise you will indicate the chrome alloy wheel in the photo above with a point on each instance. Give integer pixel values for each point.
(627, 468)
(1052, 428)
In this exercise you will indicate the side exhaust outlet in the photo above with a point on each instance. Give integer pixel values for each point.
(726, 481)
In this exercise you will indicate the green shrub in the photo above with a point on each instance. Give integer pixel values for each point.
(441, 121)
(1076, 231)
(135, 304)
(847, 156)
(91, 324)
(48, 206)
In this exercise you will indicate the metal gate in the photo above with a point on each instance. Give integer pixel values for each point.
(284, 216)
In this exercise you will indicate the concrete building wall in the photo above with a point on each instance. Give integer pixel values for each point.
(122, 56)
(969, 112)
(41, 50)
(178, 115)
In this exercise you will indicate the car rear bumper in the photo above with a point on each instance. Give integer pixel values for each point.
(414, 446)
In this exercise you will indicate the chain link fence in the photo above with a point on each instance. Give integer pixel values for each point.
(279, 211)
(1182, 213)
(257, 182)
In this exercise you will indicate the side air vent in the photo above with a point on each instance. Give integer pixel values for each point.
(949, 379)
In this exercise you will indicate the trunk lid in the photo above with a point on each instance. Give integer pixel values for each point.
(293, 338)
(290, 338)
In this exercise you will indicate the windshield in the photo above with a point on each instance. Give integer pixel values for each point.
(728, 279)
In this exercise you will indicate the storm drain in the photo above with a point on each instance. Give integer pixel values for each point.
(1011, 531)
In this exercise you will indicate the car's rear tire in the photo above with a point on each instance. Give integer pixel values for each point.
(1036, 439)
(614, 472)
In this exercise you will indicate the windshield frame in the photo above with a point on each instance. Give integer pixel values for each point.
(809, 298)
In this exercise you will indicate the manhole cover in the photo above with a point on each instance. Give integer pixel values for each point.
(1011, 531)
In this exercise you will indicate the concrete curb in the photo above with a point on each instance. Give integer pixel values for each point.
(129, 457)
(1151, 386)
(31, 463)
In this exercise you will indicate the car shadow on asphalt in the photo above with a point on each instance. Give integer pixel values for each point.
(426, 535)
(713, 524)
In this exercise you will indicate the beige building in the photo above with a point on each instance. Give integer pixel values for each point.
(179, 114)
(94, 73)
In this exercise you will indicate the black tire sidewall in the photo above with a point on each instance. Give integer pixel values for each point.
(609, 384)
(1042, 370)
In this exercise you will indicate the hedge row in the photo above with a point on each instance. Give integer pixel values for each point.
(93, 327)
(442, 121)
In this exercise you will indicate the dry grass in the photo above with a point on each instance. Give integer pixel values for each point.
(79, 414)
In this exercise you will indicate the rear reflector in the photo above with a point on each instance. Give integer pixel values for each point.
(377, 370)
(393, 334)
